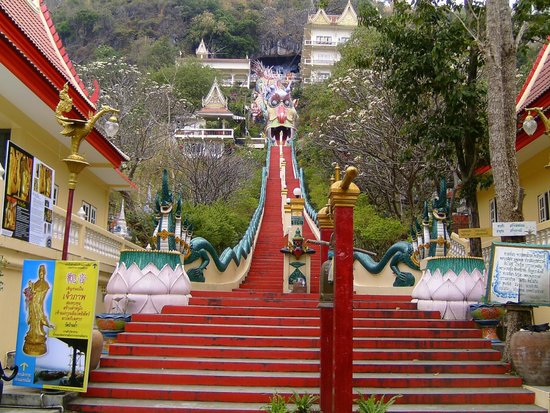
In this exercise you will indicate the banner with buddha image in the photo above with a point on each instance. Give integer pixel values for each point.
(28, 197)
(56, 316)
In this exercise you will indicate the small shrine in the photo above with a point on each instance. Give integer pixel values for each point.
(120, 226)
(144, 281)
(201, 138)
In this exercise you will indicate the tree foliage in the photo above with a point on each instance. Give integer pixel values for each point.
(148, 109)
(434, 66)
(150, 33)
(190, 81)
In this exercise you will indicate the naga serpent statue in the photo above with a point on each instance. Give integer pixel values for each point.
(429, 240)
(201, 249)
(400, 252)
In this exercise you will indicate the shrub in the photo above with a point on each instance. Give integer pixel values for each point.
(374, 405)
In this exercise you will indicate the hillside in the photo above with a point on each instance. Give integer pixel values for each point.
(153, 32)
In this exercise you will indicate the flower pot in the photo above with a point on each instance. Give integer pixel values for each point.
(112, 322)
(530, 353)
(487, 317)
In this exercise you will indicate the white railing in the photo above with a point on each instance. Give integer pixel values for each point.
(320, 43)
(88, 240)
(461, 246)
(320, 62)
(279, 76)
(198, 133)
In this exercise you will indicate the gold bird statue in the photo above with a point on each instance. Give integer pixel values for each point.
(76, 129)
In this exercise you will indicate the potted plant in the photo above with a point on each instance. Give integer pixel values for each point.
(113, 322)
(488, 317)
(277, 404)
(302, 404)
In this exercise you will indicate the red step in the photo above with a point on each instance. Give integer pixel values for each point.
(231, 351)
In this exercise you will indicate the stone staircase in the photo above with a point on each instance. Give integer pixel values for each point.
(231, 351)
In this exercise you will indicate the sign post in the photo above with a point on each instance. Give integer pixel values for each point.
(514, 229)
(519, 273)
(475, 232)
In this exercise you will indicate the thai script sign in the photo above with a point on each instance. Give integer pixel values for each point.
(519, 273)
(511, 229)
(28, 199)
(56, 316)
(475, 232)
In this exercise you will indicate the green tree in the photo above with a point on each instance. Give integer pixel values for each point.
(351, 119)
(191, 80)
(433, 66)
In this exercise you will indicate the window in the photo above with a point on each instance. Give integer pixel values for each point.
(4, 138)
(493, 213)
(324, 39)
(89, 212)
(543, 206)
(55, 192)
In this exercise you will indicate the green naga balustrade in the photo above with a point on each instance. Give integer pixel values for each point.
(400, 252)
(203, 251)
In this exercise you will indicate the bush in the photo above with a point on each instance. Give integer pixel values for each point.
(373, 231)
(302, 404)
(373, 405)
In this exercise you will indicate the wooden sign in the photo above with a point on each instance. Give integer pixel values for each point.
(511, 229)
(519, 273)
(475, 232)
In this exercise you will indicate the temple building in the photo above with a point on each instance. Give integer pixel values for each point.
(234, 72)
(208, 134)
(323, 34)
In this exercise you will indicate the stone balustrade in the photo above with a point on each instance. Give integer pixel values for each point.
(460, 247)
(88, 240)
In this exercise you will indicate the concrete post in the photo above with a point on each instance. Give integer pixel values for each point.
(343, 196)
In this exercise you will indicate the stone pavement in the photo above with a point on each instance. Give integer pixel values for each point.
(17, 399)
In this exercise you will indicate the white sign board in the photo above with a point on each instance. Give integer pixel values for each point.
(514, 229)
(519, 273)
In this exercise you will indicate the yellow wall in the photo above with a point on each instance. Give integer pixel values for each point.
(31, 137)
(535, 180)
(38, 142)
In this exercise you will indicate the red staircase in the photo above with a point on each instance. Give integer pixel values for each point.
(230, 351)
(293, 182)
(267, 264)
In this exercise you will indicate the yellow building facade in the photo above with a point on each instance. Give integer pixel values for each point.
(533, 157)
(34, 67)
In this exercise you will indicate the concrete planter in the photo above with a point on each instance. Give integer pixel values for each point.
(531, 356)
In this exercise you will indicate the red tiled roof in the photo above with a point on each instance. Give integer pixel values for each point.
(32, 50)
(534, 93)
(37, 26)
(538, 81)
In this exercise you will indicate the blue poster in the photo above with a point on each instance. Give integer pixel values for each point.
(34, 351)
(46, 359)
